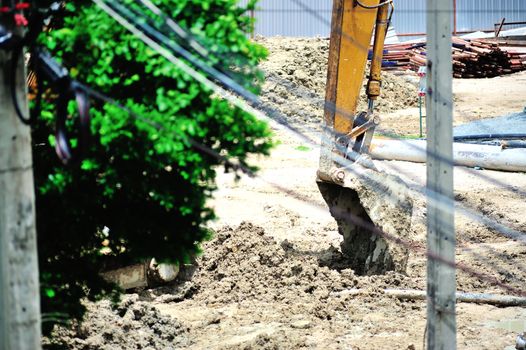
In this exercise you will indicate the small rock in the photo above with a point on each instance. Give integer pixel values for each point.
(301, 75)
(302, 324)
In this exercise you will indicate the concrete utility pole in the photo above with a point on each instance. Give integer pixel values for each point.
(19, 290)
(441, 281)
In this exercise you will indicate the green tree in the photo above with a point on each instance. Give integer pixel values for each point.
(140, 190)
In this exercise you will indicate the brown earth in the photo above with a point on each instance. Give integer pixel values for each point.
(474, 99)
(274, 277)
(296, 73)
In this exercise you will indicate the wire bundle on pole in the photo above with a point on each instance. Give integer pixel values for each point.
(46, 69)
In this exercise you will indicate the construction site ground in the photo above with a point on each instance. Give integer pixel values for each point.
(273, 276)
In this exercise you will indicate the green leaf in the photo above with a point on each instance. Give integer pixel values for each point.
(50, 293)
(302, 148)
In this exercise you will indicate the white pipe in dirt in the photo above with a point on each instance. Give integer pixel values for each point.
(466, 154)
(412, 294)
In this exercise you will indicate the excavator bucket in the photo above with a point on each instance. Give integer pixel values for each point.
(373, 209)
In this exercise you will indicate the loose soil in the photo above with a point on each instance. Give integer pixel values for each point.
(274, 277)
(296, 74)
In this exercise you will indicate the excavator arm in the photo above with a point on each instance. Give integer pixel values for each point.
(353, 24)
(369, 206)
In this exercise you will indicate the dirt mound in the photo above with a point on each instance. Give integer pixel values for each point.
(282, 294)
(244, 263)
(296, 74)
(247, 291)
(131, 324)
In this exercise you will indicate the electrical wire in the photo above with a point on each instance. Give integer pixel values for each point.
(281, 124)
(192, 43)
(95, 1)
(510, 233)
(316, 15)
(36, 21)
(15, 59)
(413, 246)
(202, 148)
(439, 201)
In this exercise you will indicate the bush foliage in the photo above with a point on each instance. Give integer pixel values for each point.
(140, 191)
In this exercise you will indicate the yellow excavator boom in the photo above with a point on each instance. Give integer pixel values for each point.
(353, 24)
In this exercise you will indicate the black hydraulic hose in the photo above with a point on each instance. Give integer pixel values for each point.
(490, 136)
(375, 6)
(36, 22)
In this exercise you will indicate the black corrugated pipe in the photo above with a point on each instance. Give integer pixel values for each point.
(513, 144)
(505, 140)
(490, 137)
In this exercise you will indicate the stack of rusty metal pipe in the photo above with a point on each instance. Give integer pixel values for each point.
(471, 58)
